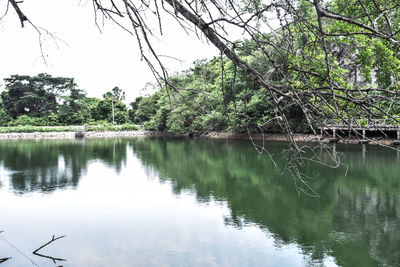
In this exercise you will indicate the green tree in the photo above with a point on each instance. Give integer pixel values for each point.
(146, 108)
(4, 117)
(75, 109)
(116, 93)
(105, 107)
(312, 59)
(303, 47)
(133, 108)
(34, 96)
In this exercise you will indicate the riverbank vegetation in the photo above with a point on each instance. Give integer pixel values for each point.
(32, 103)
(319, 63)
(301, 64)
(210, 101)
(71, 128)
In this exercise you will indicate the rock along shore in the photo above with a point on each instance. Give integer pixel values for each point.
(139, 133)
(68, 135)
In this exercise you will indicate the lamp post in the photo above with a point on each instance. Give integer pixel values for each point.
(112, 106)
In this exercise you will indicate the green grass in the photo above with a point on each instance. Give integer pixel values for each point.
(92, 128)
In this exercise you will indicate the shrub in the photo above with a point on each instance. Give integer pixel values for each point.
(24, 120)
(120, 117)
(214, 120)
(129, 127)
(4, 118)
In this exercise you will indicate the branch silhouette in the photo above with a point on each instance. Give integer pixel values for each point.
(4, 259)
(54, 259)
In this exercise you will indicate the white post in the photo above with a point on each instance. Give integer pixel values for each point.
(112, 105)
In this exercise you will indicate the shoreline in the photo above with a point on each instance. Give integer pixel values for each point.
(73, 135)
(298, 137)
(301, 137)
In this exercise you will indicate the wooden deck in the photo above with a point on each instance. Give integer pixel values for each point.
(371, 126)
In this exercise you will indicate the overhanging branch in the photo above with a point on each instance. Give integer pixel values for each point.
(20, 14)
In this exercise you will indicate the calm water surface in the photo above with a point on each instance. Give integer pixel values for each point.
(159, 202)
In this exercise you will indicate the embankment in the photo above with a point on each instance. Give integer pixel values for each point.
(298, 137)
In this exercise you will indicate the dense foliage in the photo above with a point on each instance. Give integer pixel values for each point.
(211, 96)
(317, 68)
(209, 100)
(44, 100)
(302, 63)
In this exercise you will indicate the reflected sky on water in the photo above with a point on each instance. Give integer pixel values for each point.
(162, 202)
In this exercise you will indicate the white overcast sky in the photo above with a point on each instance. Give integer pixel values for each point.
(97, 61)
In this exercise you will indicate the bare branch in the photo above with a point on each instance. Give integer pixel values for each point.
(4, 259)
(48, 243)
(20, 14)
(54, 259)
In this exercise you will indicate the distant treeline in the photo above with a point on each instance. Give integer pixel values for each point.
(44, 100)
(312, 76)
(205, 101)
(211, 96)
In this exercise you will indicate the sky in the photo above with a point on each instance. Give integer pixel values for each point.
(97, 60)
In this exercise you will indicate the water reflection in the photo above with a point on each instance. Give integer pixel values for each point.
(355, 219)
(44, 166)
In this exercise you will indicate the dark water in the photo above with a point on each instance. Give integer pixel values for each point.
(157, 202)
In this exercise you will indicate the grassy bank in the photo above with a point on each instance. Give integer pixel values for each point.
(87, 128)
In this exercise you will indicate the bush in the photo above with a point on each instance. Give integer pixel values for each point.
(51, 120)
(70, 117)
(214, 121)
(25, 120)
(120, 117)
(30, 129)
(4, 118)
(105, 126)
(128, 127)
(159, 121)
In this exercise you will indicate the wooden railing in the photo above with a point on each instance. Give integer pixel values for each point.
(362, 123)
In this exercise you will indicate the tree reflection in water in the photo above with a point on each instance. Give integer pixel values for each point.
(47, 165)
(355, 219)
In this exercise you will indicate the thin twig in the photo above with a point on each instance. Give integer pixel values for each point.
(54, 259)
(48, 243)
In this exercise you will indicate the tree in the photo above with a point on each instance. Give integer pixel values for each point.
(146, 108)
(118, 95)
(208, 104)
(44, 100)
(34, 96)
(133, 107)
(335, 60)
(302, 25)
(75, 109)
(115, 93)
(301, 43)
(104, 111)
(4, 117)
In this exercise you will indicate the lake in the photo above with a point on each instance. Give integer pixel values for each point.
(185, 202)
